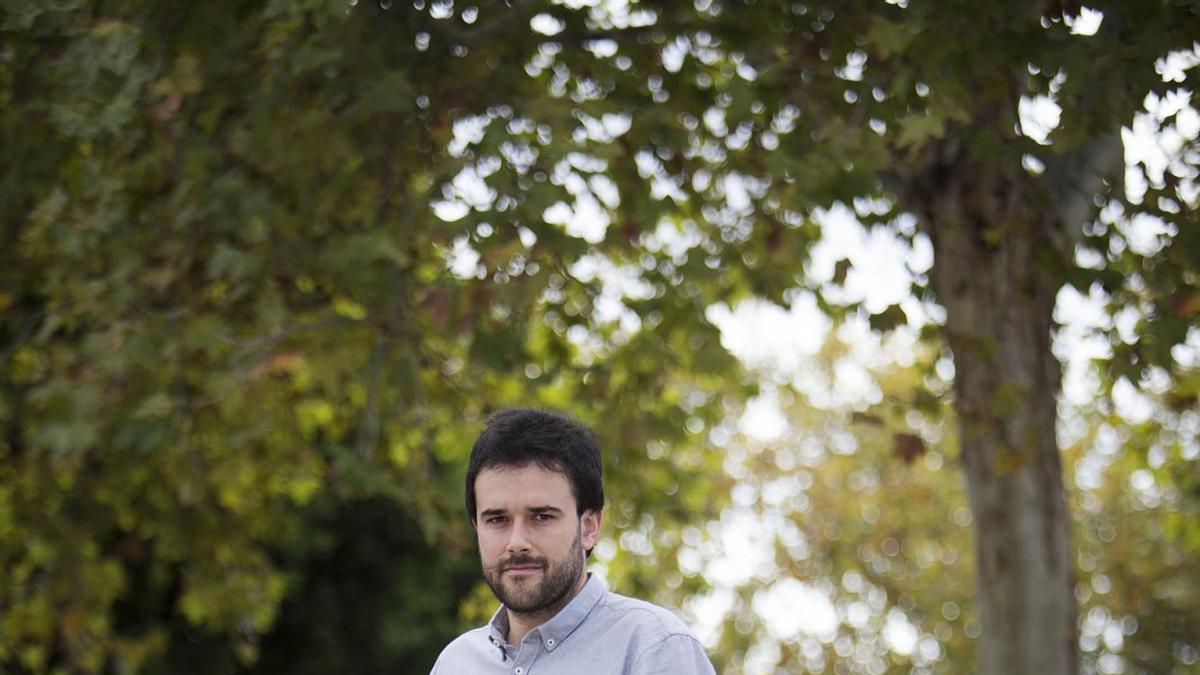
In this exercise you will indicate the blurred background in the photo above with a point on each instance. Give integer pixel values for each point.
(835, 283)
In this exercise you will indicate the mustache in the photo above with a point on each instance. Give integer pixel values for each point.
(520, 561)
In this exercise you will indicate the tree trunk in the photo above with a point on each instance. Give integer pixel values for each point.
(995, 274)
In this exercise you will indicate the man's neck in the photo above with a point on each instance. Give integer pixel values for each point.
(520, 623)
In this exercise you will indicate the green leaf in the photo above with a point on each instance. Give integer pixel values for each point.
(917, 128)
(840, 269)
(891, 38)
(888, 319)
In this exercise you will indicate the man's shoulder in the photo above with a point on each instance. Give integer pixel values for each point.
(643, 615)
(656, 640)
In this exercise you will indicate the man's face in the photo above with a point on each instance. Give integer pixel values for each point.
(531, 541)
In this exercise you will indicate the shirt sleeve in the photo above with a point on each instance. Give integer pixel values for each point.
(678, 654)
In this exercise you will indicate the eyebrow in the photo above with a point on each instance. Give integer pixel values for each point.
(487, 513)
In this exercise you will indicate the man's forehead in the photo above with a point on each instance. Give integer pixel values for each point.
(522, 483)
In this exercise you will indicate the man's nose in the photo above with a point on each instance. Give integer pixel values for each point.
(517, 540)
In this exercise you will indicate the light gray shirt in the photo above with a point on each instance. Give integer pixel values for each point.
(596, 633)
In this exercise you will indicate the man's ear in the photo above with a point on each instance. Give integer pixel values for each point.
(589, 528)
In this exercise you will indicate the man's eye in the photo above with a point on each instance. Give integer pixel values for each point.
(543, 516)
(495, 520)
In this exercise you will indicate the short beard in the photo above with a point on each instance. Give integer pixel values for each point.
(551, 594)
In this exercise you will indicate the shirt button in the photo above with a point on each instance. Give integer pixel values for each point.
(550, 642)
(518, 670)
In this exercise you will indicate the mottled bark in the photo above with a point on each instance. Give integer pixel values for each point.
(998, 248)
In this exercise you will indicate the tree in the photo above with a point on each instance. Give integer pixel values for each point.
(256, 257)
(917, 107)
(233, 325)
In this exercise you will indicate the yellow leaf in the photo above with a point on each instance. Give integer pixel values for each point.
(349, 308)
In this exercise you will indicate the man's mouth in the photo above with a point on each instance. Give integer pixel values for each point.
(523, 569)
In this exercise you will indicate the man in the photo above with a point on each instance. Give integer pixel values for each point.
(535, 499)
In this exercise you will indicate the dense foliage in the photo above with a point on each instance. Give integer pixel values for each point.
(230, 327)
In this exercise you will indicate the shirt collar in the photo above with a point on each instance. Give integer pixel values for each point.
(561, 625)
(558, 627)
(498, 632)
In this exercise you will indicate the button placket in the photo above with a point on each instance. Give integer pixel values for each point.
(527, 655)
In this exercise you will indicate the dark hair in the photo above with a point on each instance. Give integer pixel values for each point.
(519, 437)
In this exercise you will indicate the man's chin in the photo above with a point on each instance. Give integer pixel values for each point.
(523, 605)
